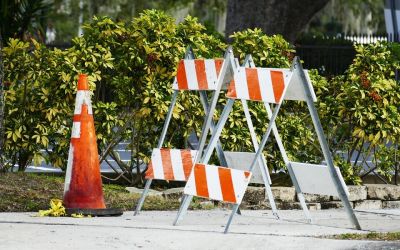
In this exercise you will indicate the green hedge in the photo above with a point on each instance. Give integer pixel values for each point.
(131, 66)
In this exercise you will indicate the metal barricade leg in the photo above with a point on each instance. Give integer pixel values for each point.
(258, 154)
(287, 163)
(220, 151)
(143, 196)
(183, 208)
(234, 210)
(261, 161)
(303, 204)
(272, 202)
(168, 119)
(325, 148)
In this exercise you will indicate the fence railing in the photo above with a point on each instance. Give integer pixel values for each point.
(365, 39)
(331, 55)
(372, 38)
(329, 60)
(343, 38)
(338, 52)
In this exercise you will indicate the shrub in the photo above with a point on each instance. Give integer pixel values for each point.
(362, 107)
(146, 53)
(293, 121)
(38, 102)
(131, 67)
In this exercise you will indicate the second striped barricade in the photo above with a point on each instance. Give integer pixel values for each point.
(259, 84)
(170, 164)
(197, 74)
(247, 84)
(272, 86)
(218, 183)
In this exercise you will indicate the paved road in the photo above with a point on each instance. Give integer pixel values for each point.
(198, 230)
(121, 149)
(125, 156)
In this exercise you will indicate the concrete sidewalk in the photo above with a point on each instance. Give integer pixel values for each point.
(198, 230)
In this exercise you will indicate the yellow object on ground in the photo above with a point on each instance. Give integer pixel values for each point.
(56, 209)
(80, 216)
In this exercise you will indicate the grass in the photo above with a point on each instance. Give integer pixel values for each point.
(389, 236)
(29, 192)
(20, 192)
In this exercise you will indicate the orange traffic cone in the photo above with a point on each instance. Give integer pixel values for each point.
(83, 191)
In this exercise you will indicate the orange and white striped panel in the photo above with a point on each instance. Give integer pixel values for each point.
(198, 74)
(218, 183)
(171, 164)
(259, 84)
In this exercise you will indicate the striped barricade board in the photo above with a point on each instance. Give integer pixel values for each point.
(259, 84)
(271, 85)
(217, 183)
(198, 74)
(170, 164)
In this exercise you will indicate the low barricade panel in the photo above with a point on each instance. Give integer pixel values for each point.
(170, 164)
(218, 183)
(316, 179)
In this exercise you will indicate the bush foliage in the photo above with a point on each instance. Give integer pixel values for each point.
(131, 66)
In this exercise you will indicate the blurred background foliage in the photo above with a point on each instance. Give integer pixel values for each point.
(58, 21)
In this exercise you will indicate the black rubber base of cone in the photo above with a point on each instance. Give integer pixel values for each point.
(94, 212)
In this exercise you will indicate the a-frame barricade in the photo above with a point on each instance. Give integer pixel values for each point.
(175, 164)
(221, 183)
(306, 177)
(271, 86)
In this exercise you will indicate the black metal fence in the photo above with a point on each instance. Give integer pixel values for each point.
(333, 55)
(329, 60)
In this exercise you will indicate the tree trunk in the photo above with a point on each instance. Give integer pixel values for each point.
(285, 17)
(1, 105)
